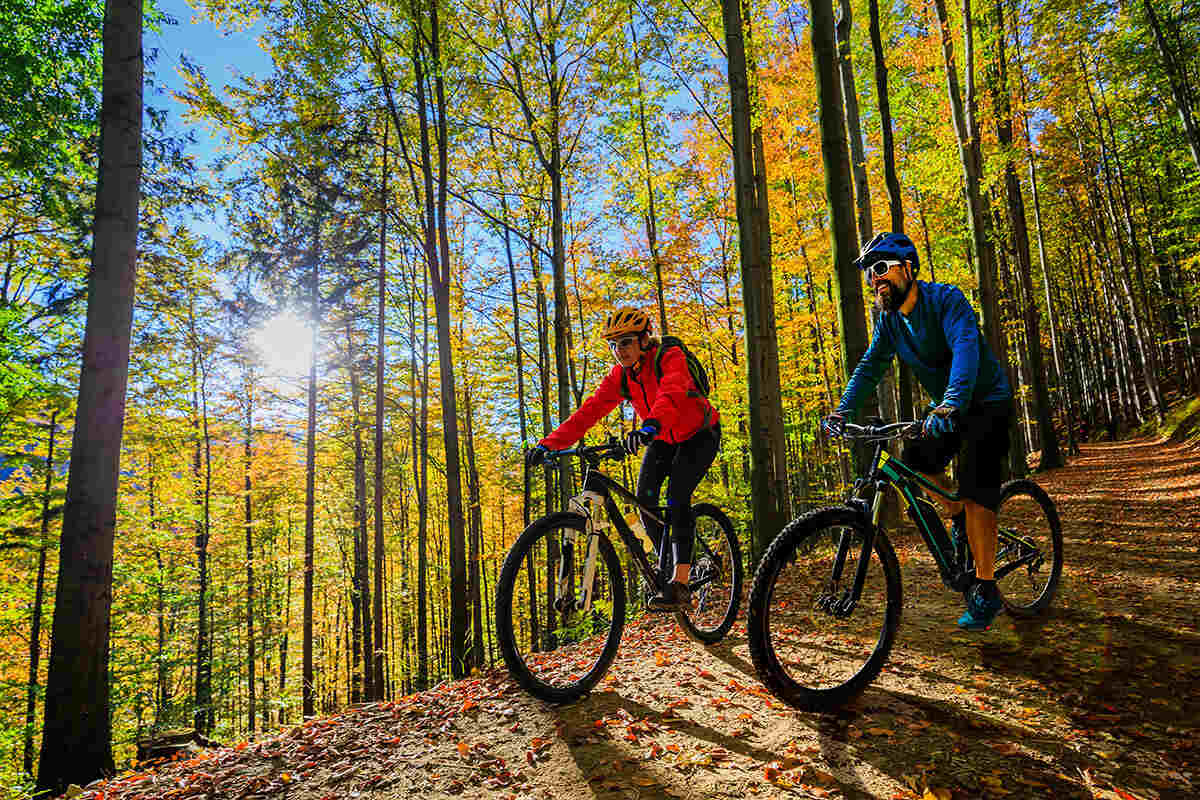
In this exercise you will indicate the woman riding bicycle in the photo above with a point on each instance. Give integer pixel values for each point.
(680, 429)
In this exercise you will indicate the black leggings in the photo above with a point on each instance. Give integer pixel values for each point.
(685, 464)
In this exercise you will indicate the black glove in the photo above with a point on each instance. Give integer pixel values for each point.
(535, 456)
(641, 437)
(834, 425)
(941, 420)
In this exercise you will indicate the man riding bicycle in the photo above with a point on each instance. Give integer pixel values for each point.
(933, 329)
(680, 429)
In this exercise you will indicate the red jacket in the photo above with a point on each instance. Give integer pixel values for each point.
(679, 414)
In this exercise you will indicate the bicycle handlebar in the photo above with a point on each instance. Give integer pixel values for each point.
(594, 454)
(909, 429)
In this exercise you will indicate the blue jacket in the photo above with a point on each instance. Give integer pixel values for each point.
(942, 343)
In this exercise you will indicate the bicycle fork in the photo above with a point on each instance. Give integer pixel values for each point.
(843, 605)
(581, 504)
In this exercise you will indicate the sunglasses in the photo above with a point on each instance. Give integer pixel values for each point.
(880, 268)
(624, 341)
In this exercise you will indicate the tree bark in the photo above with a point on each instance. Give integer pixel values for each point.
(248, 521)
(836, 159)
(1051, 455)
(768, 467)
(310, 482)
(378, 657)
(39, 596)
(437, 258)
(76, 733)
(1178, 80)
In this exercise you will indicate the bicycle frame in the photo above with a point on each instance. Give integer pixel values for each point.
(887, 469)
(598, 492)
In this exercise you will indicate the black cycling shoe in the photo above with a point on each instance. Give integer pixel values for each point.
(676, 597)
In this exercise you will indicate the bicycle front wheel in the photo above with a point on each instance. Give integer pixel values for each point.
(814, 646)
(1029, 555)
(555, 649)
(716, 579)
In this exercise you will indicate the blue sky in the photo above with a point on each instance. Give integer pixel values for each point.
(222, 55)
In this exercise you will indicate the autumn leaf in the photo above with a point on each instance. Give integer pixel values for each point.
(464, 749)
(936, 794)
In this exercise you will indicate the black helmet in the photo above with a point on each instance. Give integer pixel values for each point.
(888, 245)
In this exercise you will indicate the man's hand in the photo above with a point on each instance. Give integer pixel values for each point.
(834, 425)
(536, 456)
(942, 419)
(641, 437)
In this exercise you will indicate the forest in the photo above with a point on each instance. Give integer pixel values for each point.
(263, 416)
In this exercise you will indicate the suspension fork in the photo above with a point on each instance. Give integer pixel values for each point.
(582, 504)
(847, 603)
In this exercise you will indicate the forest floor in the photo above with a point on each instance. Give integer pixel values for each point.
(1098, 699)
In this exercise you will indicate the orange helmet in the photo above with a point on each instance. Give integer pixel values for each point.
(625, 319)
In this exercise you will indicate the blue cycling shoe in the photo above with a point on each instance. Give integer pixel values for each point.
(981, 611)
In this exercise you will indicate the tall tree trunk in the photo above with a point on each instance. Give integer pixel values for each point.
(310, 480)
(885, 396)
(378, 657)
(650, 217)
(972, 164)
(76, 733)
(895, 203)
(437, 254)
(39, 596)
(836, 159)
(421, 479)
(475, 532)
(1177, 76)
(1051, 455)
(768, 467)
(203, 712)
(248, 520)
(361, 594)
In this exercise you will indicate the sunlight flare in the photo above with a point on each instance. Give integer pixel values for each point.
(285, 344)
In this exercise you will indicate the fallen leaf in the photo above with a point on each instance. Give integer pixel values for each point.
(936, 794)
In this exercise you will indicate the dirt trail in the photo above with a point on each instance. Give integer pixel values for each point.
(1099, 699)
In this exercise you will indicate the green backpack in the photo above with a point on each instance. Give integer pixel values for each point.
(699, 376)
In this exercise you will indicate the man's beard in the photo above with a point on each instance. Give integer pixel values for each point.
(894, 297)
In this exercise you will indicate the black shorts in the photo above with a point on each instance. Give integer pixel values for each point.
(982, 436)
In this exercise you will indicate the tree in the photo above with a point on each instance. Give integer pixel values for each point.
(76, 735)
(768, 463)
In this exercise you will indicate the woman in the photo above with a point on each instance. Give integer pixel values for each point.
(680, 429)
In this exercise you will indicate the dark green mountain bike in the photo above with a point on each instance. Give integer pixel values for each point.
(824, 613)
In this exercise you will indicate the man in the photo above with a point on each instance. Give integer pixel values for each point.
(680, 429)
(933, 329)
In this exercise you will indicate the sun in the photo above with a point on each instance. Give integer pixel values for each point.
(284, 343)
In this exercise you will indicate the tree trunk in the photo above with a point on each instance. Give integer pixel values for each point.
(310, 481)
(437, 253)
(650, 218)
(39, 595)
(895, 204)
(248, 520)
(203, 712)
(377, 658)
(1051, 455)
(768, 468)
(361, 595)
(1177, 76)
(836, 159)
(76, 733)
(475, 532)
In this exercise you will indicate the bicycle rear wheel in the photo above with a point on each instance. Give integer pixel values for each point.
(554, 650)
(1029, 555)
(809, 650)
(716, 578)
